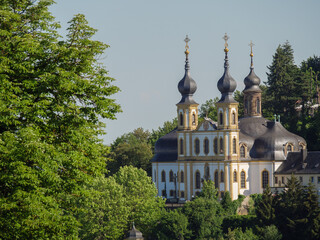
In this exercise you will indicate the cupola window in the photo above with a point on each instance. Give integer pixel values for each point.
(235, 177)
(234, 145)
(221, 118)
(289, 148)
(233, 118)
(258, 105)
(197, 146)
(193, 119)
(181, 119)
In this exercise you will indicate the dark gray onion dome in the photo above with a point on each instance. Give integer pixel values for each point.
(187, 86)
(252, 81)
(226, 83)
(166, 148)
(270, 146)
(134, 234)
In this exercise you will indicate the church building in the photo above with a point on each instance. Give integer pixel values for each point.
(239, 155)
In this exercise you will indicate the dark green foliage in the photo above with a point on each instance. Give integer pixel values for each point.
(205, 218)
(131, 149)
(167, 127)
(209, 109)
(265, 208)
(172, 225)
(240, 221)
(271, 233)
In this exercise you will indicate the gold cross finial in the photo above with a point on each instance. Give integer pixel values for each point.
(225, 38)
(251, 46)
(187, 46)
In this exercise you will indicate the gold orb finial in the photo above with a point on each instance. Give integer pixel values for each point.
(225, 38)
(187, 39)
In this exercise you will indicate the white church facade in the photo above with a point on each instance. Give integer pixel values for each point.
(239, 155)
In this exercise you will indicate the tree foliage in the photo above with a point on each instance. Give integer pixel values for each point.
(209, 109)
(54, 93)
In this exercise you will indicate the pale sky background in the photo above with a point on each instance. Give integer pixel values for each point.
(146, 54)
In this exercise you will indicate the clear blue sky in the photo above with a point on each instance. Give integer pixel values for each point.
(146, 54)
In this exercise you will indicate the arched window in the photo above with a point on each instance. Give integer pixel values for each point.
(265, 179)
(249, 106)
(155, 175)
(171, 177)
(235, 177)
(197, 146)
(221, 145)
(198, 180)
(221, 118)
(181, 119)
(163, 176)
(243, 179)
(181, 176)
(206, 146)
(258, 105)
(193, 119)
(207, 172)
(181, 146)
(216, 179)
(234, 145)
(221, 176)
(233, 118)
(215, 145)
(289, 148)
(242, 151)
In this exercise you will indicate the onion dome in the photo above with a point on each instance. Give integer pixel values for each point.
(252, 81)
(134, 234)
(187, 86)
(226, 83)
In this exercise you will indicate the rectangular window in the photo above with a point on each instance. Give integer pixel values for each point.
(318, 179)
(276, 180)
(282, 180)
(164, 194)
(312, 179)
(172, 193)
(301, 179)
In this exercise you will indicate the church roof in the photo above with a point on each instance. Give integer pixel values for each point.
(166, 148)
(301, 163)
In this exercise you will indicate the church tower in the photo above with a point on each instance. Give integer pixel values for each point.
(187, 108)
(252, 92)
(228, 111)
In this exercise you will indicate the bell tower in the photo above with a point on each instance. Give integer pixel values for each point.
(187, 108)
(252, 92)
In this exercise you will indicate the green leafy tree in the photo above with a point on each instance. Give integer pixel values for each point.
(140, 198)
(172, 225)
(239, 97)
(271, 233)
(228, 205)
(205, 218)
(208, 190)
(54, 93)
(132, 149)
(209, 109)
(238, 234)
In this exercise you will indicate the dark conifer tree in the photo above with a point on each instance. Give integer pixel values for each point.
(265, 210)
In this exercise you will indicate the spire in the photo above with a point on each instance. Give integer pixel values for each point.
(187, 86)
(226, 83)
(252, 81)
